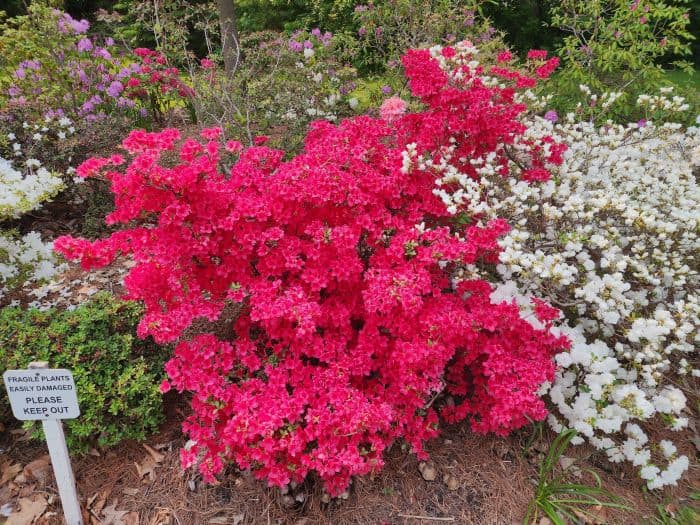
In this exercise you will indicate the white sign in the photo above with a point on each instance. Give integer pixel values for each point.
(49, 395)
(42, 394)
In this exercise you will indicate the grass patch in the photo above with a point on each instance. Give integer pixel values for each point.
(684, 79)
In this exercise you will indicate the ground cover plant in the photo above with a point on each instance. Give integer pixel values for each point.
(116, 374)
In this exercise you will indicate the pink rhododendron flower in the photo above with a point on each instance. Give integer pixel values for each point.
(504, 56)
(392, 108)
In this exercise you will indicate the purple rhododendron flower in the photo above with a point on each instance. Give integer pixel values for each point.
(14, 91)
(84, 44)
(316, 32)
(125, 103)
(295, 46)
(79, 26)
(551, 115)
(102, 53)
(308, 44)
(115, 89)
(362, 31)
(468, 18)
(386, 89)
(30, 64)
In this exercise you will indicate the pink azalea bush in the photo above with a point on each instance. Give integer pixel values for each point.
(343, 261)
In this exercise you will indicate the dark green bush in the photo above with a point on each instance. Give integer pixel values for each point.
(116, 374)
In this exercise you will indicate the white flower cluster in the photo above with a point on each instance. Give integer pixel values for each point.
(25, 259)
(35, 137)
(661, 102)
(23, 192)
(612, 240)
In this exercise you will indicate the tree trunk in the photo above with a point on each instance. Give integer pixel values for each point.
(229, 35)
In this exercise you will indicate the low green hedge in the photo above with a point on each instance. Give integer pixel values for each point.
(116, 374)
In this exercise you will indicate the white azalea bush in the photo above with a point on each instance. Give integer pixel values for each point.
(611, 240)
(25, 258)
(25, 191)
(52, 141)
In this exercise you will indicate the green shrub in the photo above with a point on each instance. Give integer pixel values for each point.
(277, 88)
(116, 374)
(386, 30)
(618, 45)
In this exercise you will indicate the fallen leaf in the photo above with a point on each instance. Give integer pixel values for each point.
(27, 490)
(568, 463)
(30, 509)
(225, 520)
(696, 441)
(46, 519)
(97, 502)
(595, 515)
(451, 481)
(21, 434)
(112, 516)
(7, 493)
(147, 468)
(157, 456)
(10, 472)
(131, 491)
(162, 517)
(428, 471)
(21, 479)
(501, 449)
(38, 469)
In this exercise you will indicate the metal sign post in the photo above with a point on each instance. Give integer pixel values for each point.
(49, 395)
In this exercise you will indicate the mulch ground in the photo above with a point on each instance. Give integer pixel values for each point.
(484, 480)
